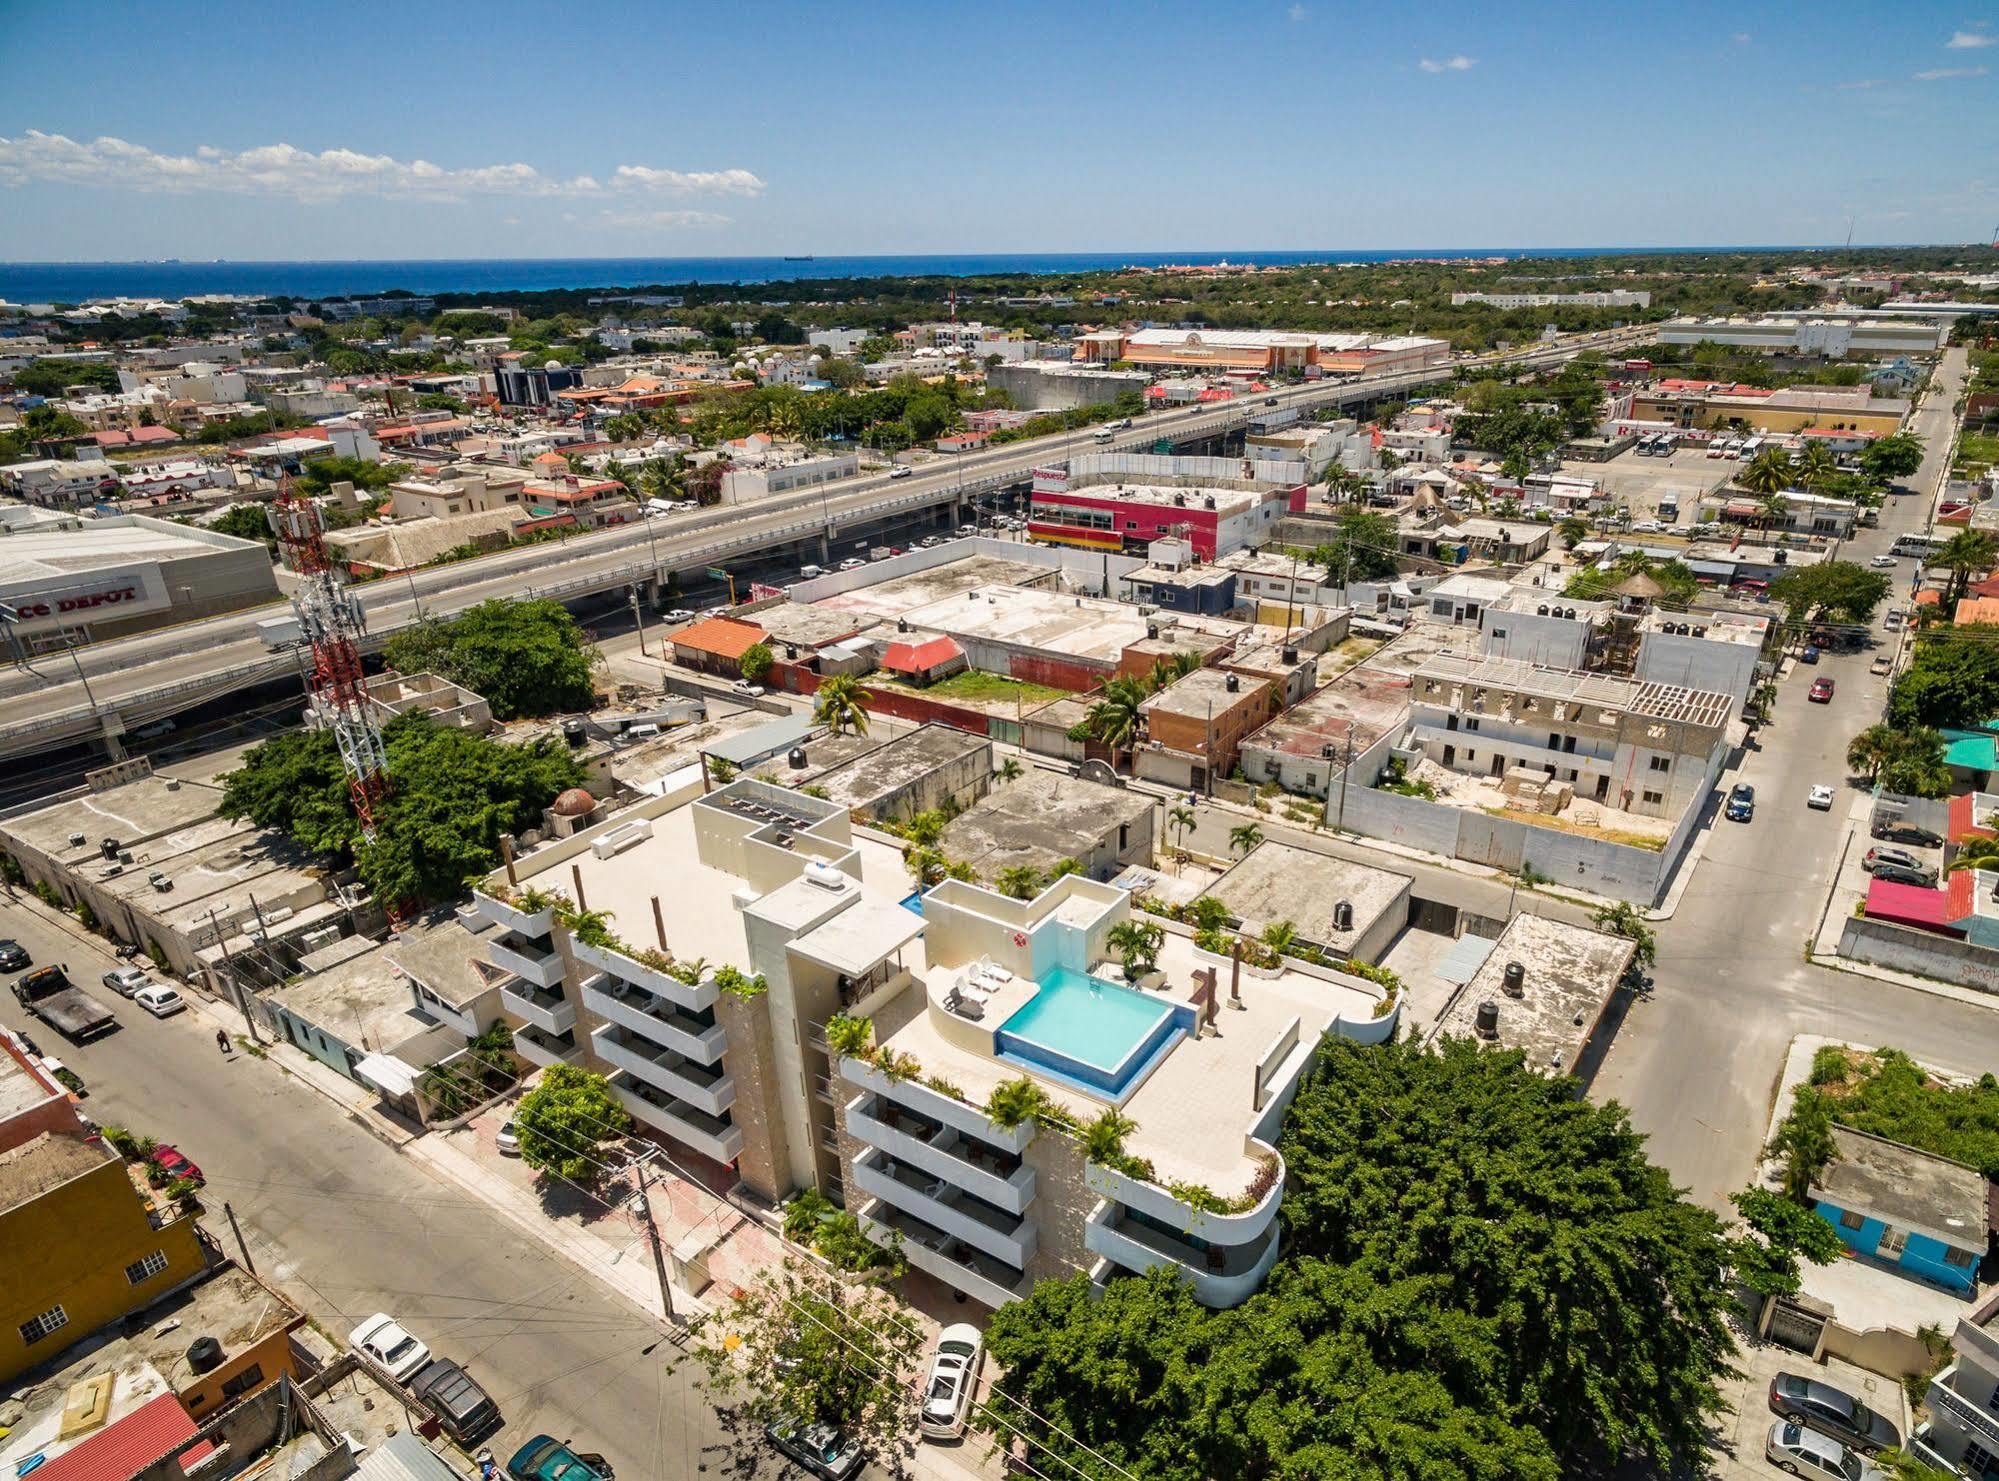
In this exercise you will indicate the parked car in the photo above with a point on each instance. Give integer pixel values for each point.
(680, 614)
(954, 1378)
(1791, 1447)
(386, 1340)
(1819, 797)
(1883, 664)
(161, 1002)
(1832, 1412)
(1821, 690)
(1810, 654)
(1897, 830)
(1898, 858)
(508, 1140)
(126, 981)
(1893, 620)
(465, 1410)
(1883, 563)
(14, 957)
(1922, 879)
(1741, 803)
(819, 1448)
(744, 686)
(545, 1458)
(172, 1162)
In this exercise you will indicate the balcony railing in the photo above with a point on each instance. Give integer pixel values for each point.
(945, 1207)
(714, 1137)
(512, 918)
(654, 1018)
(1966, 1414)
(931, 1250)
(527, 958)
(1220, 1275)
(540, 1006)
(538, 1046)
(703, 1086)
(997, 1176)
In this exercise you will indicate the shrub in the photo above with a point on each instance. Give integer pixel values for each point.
(848, 1037)
(740, 984)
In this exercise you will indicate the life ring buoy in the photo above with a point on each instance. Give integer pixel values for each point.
(1020, 938)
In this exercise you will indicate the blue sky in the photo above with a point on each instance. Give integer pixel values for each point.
(614, 128)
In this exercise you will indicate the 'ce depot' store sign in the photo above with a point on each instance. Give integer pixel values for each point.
(103, 596)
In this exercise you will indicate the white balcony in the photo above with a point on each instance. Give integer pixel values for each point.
(534, 961)
(1212, 1228)
(540, 1006)
(986, 1280)
(713, 1137)
(701, 1086)
(538, 1046)
(1968, 1415)
(982, 1169)
(654, 1018)
(1220, 1275)
(697, 998)
(944, 1207)
(512, 918)
(938, 1106)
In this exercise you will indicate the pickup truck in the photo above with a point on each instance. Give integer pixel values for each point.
(50, 996)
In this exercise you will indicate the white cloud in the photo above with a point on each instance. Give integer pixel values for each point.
(662, 220)
(1939, 74)
(1299, 12)
(1972, 40)
(1458, 63)
(281, 169)
(1865, 82)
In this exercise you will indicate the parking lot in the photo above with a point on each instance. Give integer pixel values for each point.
(1743, 1428)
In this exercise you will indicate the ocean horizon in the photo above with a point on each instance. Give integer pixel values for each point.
(75, 282)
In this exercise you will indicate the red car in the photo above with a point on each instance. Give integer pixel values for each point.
(174, 1165)
(1821, 691)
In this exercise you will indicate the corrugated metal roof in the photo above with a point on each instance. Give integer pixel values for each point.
(748, 747)
(403, 1457)
(154, 1429)
(1464, 959)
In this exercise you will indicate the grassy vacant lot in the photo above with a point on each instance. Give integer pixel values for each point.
(1976, 452)
(977, 688)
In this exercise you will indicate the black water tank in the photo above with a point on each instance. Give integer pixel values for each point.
(204, 1354)
(572, 731)
(1232, 683)
(1487, 1024)
(1342, 916)
(108, 847)
(1291, 653)
(797, 758)
(1515, 980)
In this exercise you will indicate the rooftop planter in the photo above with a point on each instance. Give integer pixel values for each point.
(530, 912)
(652, 970)
(1199, 1211)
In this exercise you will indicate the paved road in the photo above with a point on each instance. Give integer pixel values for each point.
(1698, 1063)
(126, 668)
(347, 1226)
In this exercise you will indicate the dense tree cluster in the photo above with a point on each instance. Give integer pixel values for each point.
(525, 657)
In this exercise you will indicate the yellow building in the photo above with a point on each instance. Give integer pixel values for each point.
(80, 1246)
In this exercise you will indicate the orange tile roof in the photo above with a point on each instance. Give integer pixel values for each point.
(722, 637)
(1977, 609)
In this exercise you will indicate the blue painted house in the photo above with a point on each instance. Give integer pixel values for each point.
(1923, 1214)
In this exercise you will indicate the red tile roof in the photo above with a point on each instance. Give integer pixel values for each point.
(919, 658)
(723, 637)
(122, 1450)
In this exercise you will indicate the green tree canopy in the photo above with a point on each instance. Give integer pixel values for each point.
(524, 657)
(565, 1119)
(1363, 547)
(1892, 457)
(1952, 679)
(1843, 590)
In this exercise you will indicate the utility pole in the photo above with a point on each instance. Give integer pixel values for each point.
(237, 1230)
(235, 983)
(1341, 816)
(652, 1238)
(638, 616)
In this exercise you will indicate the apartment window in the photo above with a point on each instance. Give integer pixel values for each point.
(1893, 1242)
(1851, 1220)
(1655, 797)
(1959, 1259)
(1978, 1461)
(140, 1271)
(1472, 723)
(1662, 763)
(35, 1330)
(243, 1382)
(1471, 755)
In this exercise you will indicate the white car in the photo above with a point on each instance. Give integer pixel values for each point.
(161, 1002)
(953, 1380)
(1819, 797)
(853, 563)
(384, 1339)
(680, 614)
(902, 472)
(744, 686)
(1883, 563)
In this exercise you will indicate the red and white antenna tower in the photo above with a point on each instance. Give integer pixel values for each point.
(330, 620)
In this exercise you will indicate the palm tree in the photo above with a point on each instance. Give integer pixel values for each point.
(1805, 1143)
(1964, 555)
(1181, 821)
(1019, 881)
(1870, 751)
(1280, 936)
(1771, 508)
(1244, 837)
(1104, 1137)
(1769, 472)
(926, 865)
(1137, 944)
(1114, 719)
(842, 705)
(1009, 770)
(1814, 465)
(1976, 853)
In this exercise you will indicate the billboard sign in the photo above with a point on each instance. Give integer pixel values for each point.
(50, 603)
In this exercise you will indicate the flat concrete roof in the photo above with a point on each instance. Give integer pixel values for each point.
(365, 1000)
(810, 626)
(823, 753)
(1046, 621)
(1670, 702)
(1040, 820)
(137, 811)
(650, 761)
(1364, 704)
(1278, 882)
(21, 1089)
(33, 555)
(1571, 972)
(868, 777)
(1909, 1187)
(44, 1162)
(443, 954)
(1716, 627)
(901, 594)
(1204, 692)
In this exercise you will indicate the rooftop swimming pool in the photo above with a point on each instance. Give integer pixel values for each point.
(1098, 1036)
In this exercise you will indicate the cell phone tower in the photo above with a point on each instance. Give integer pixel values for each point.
(331, 620)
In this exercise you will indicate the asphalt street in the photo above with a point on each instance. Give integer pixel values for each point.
(347, 1226)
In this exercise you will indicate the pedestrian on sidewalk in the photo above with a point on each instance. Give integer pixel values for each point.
(222, 1041)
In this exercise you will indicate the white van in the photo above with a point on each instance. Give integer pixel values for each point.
(806, 573)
